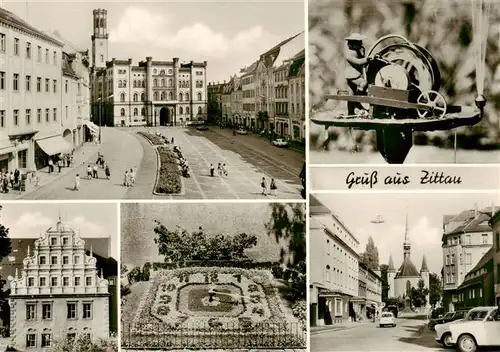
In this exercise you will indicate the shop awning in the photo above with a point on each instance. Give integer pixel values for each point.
(92, 126)
(54, 145)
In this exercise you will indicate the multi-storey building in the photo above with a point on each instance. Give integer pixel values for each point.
(334, 261)
(248, 91)
(369, 291)
(495, 226)
(466, 239)
(236, 100)
(227, 90)
(281, 117)
(150, 93)
(58, 294)
(297, 96)
(31, 123)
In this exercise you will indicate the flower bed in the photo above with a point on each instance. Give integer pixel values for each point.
(154, 139)
(169, 178)
(245, 311)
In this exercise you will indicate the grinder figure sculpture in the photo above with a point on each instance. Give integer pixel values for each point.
(355, 67)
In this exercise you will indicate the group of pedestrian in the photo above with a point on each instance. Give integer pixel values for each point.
(65, 160)
(93, 171)
(273, 189)
(129, 178)
(221, 170)
(9, 179)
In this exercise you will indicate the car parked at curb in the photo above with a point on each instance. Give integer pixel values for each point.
(387, 319)
(447, 318)
(443, 334)
(241, 131)
(480, 329)
(280, 142)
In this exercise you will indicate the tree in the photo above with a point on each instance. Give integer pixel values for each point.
(288, 222)
(370, 256)
(395, 301)
(123, 269)
(179, 245)
(5, 249)
(146, 272)
(134, 275)
(418, 295)
(385, 284)
(5, 243)
(435, 289)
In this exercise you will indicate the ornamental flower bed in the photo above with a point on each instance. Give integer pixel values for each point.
(169, 178)
(154, 139)
(180, 311)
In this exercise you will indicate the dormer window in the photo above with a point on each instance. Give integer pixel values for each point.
(53, 241)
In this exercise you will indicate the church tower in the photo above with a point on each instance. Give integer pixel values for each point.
(407, 243)
(100, 39)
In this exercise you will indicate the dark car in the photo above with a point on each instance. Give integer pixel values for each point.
(202, 128)
(448, 317)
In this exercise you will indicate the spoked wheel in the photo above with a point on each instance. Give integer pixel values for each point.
(436, 102)
(466, 343)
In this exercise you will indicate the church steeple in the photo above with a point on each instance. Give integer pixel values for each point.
(407, 244)
(390, 267)
(424, 265)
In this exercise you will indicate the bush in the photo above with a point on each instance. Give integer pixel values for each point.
(134, 275)
(277, 272)
(155, 140)
(83, 344)
(169, 180)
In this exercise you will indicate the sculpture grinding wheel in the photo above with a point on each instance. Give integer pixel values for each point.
(402, 96)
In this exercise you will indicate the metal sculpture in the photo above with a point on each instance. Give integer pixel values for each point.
(402, 96)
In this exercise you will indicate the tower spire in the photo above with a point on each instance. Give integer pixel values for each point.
(424, 265)
(407, 244)
(390, 267)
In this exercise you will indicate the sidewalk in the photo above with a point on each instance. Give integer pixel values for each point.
(86, 153)
(344, 326)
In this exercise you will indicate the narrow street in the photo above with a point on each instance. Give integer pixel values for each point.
(408, 335)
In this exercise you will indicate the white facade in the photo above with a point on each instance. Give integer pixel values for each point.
(58, 294)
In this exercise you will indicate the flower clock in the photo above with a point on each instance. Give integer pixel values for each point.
(208, 299)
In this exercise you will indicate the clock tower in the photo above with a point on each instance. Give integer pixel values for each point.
(100, 39)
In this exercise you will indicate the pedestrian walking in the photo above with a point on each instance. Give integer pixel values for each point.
(5, 183)
(263, 184)
(172, 140)
(37, 178)
(11, 179)
(219, 169)
(89, 172)
(59, 165)
(274, 188)
(212, 170)
(107, 172)
(51, 165)
(132, 177)
(68, 160)
(77, 182)
(224, 169)
(17, 173)
(96, 169)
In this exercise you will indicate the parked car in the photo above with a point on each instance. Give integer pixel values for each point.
(202, 128)
(280, 142)
(241, 131)
(479, 329)
(448, 317)
(387, 319)
(443, 334)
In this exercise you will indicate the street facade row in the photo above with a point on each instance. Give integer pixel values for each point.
(44, 95)
(268, 95)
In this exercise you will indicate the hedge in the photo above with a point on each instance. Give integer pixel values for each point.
(154, 139)
(169, 178)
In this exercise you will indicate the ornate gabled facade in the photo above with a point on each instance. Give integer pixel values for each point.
(407, 277)
(58, 294)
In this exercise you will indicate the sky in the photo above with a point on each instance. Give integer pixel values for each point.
(93, 220)
(425, 221)
(228, 34)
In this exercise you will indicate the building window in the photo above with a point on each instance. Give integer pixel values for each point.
(65, 241)
(31, 281)
(46, 85)
(170, 96)
(77, 281)
(142, 111)
(46, 310)
(28, 50)
(66, 86)
(180, 110)
(327, 273)
(199, 110)
(338, 307)
(180, 96)
(65, 259)
(54, 84)
(135, 84)
(136, 97)
(16, 45)
(47, 113)
(39, 53)
(87, 310)
(170, 83)
(187, 110)
(15, 84)
(65, 281)
(2, 80)
(143, 97)
(30, 311)
(468, 259)
(122, 97)
(122, 112)
(30, 340)
(54, 112)
(155, 96)
(187, 97)
(468, 239)
(88, 281)
(28, 83)
(39, 84)
(53, 281)
(46, 339)
(452, 259)
(43, 281)
(155, 83)
(76, 260)
(71, 310)
(199, 96)
(163, 83)
(38, 115)
(162, 96)
(28, 116)
(484, 238)
(102, 58)
(16, 117)
(53, 241)
(136, 112)
(46, 56)
(447, 259)
(54, 58)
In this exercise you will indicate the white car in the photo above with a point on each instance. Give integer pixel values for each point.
(241, 131)
(387, 319)
(480, 329)
(443, 334)
(280, 142)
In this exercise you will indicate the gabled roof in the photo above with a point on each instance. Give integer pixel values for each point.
(407, 269)
(67, 70)
(16, 22)
(297, 63)
(469, 221)
(487, 257)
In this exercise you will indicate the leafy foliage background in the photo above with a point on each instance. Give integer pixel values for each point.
(444, 28)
